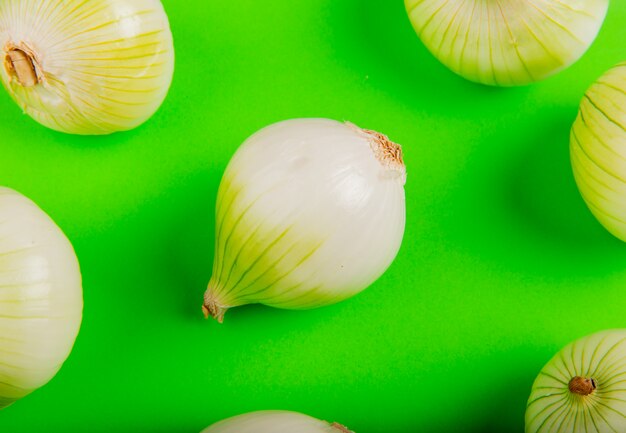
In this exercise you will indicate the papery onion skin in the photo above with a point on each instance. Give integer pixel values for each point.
(507, 42)
(309, 212)
(274, 422)
(583, 388)
(40, 297)
(99, 66)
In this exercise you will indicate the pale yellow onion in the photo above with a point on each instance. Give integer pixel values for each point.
(583, 388)
(86, 67)
(40, 297)
(309, 212)
(507, 42)
(275, 422)
(598, 150)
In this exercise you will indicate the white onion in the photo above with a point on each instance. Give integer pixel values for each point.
(598, 150)
(507, 42)
(583, 388)
(40, 297)
(309, 212)
(274, 422)
(86, 67)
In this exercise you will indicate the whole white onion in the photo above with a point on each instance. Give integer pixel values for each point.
(309, 212)
(40, 297)
(86, 67)
(274, 422)
(583, 388)
(507, 42)
(598, 150)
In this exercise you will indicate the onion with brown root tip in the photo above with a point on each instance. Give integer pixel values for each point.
(583, 388)
(309, 212)
(86, 67)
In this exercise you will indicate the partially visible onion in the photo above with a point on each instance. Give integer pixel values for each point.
(86, 67)
(507, 42)
(40, 297)
(598, 150)
(583, 388)
(274, 422)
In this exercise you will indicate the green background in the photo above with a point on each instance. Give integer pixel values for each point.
(502, 264)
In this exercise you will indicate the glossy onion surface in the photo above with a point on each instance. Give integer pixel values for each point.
(86, 67)
(583, 388)
(598, 150)
(309, 212)
(40, 297)
(507, 42)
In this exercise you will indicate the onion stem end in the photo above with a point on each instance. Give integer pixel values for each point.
(582, 386)
(22, 64)
(340, 427)
(388, 153)
(212, 309)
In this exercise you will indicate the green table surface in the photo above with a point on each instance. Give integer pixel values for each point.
(502, 264)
